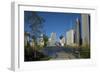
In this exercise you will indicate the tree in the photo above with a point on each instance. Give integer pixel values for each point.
(45, 38)
(33, 23)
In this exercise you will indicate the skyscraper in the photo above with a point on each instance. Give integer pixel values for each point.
(70, 37)
(77, 33)
(52, 39)
(85, 29)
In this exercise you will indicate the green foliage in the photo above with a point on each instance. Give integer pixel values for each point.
(45, 38)
(33, 54)
(84, 50)
(38, 47)
(85, 54)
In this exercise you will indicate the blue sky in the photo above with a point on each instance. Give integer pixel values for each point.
(58, 22)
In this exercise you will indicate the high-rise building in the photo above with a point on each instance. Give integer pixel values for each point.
(40, 40)
(70, 37)
(52, 39)
(85, 29)
(77, 32)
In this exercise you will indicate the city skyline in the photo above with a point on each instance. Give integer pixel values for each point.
(59, 23)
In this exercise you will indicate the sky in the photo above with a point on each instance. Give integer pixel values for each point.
(59, 23)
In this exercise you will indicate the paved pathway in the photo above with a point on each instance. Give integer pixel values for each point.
(64, 55)
(60, 53)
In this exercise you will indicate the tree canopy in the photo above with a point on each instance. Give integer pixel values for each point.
(33, 23)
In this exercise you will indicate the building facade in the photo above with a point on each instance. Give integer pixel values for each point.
(70, 37)
(77, 32)
(85, 29)
(40, 41)
(52, 39)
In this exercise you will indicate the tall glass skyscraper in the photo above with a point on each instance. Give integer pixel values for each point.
(77, 32)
